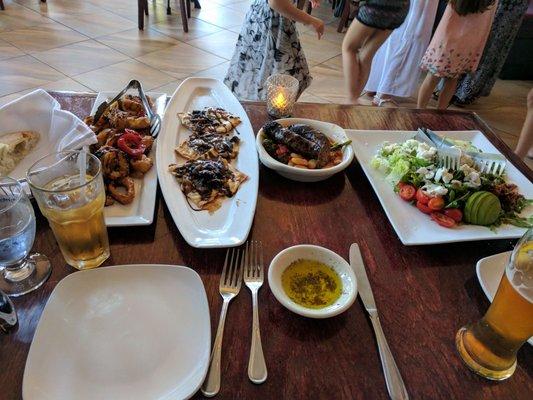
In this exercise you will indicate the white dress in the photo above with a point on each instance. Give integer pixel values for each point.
(396, 65)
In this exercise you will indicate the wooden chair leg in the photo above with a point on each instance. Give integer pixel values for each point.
(140, 11)
(309, 8)
(188, 8)
(146, 7)
(300, 4)
(344, 17)
(2, 5)
(183, 11)
(168, 8)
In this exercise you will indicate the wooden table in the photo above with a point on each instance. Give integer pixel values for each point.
(424, 293)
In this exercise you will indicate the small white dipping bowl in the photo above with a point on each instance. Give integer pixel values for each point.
(334, 132)
(323, 255)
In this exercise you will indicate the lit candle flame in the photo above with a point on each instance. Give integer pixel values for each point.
(280, 101)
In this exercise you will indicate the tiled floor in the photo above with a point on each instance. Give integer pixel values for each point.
(94, 45)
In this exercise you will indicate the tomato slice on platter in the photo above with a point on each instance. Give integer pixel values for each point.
(423, 207)
(454, 213)
(407, 192)
(442, 220)
(422, 196)
(436, 203)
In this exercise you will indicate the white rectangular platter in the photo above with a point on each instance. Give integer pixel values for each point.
(141, 210)
(413, 227)
(229, 225)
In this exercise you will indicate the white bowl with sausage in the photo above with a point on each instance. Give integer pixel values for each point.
(333, 132)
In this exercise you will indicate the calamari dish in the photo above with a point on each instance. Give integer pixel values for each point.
(207, 177)
(124, 142)
(301, 146)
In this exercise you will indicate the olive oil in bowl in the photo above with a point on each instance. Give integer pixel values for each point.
(311, 284)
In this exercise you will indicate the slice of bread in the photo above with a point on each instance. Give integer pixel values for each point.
(14, 147)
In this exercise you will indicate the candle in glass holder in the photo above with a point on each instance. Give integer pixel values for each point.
(281, 95)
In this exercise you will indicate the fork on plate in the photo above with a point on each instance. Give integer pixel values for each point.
(229, 287)
(253, 278)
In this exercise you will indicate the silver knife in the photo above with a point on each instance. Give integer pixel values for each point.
(395, 385)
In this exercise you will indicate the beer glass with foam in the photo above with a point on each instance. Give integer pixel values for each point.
(489, 346)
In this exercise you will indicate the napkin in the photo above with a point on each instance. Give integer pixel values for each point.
(59, 129)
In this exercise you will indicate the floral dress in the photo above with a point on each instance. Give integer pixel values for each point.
(268, 44)
(507, 21)
(458, 43)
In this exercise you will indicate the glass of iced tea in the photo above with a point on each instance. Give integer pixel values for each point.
(69, 190)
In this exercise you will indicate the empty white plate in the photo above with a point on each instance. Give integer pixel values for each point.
(125, 332)
(490, 271)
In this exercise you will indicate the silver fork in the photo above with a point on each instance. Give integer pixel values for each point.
(253, 278)
(229, 287)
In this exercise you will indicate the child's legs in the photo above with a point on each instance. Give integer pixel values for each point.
(426, 89)
(447, 92)
(358, 48)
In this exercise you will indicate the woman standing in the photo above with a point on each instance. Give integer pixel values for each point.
(395, 69)
(375, 20)
(455, 48)
(507, 21)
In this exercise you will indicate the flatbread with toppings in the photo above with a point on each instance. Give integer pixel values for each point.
(209, 146)
(209, 120)
(206, 183)
(14, 147)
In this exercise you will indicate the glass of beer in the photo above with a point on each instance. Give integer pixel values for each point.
(489, 346)
(69, 190)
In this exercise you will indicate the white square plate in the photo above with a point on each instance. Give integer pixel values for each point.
(413, 227)
(141, 210)
(489, 273)
(230, 224)
(125, 332)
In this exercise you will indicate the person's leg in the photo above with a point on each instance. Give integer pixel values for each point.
(358, 48)
(447, 92)
(426, 90)
(525, 141)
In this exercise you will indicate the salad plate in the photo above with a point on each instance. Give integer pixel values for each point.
(141, 210)
(124, 332)
(413, 227)
(229, 224)
(489, 273)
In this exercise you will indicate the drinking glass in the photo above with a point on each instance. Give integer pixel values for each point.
(282, 92)
(21, 272)
(69, 190)
(489, 346)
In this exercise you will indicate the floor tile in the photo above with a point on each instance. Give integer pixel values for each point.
(328, 83)
(16, 16)
(181, 60)
(42, 37)
(136, 43)
(241, 6)
(317, 51)
(330, 33)
(221, 43)
(80, 57)
(97, 24)
(116, 76)
(56, 8)
(169, 88)
(172, 26)
(25, 72)
(9, 51)
(219, 16)
(216, 72)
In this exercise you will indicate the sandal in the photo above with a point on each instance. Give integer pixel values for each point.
(378, 101)
(366, 99)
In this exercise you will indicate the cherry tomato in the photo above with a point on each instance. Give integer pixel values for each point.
(454, 213)
(401, 184)
(442, 220)
(436, 203)
(422, 196)
(424, 208)
(130, 143)
(407, 192)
